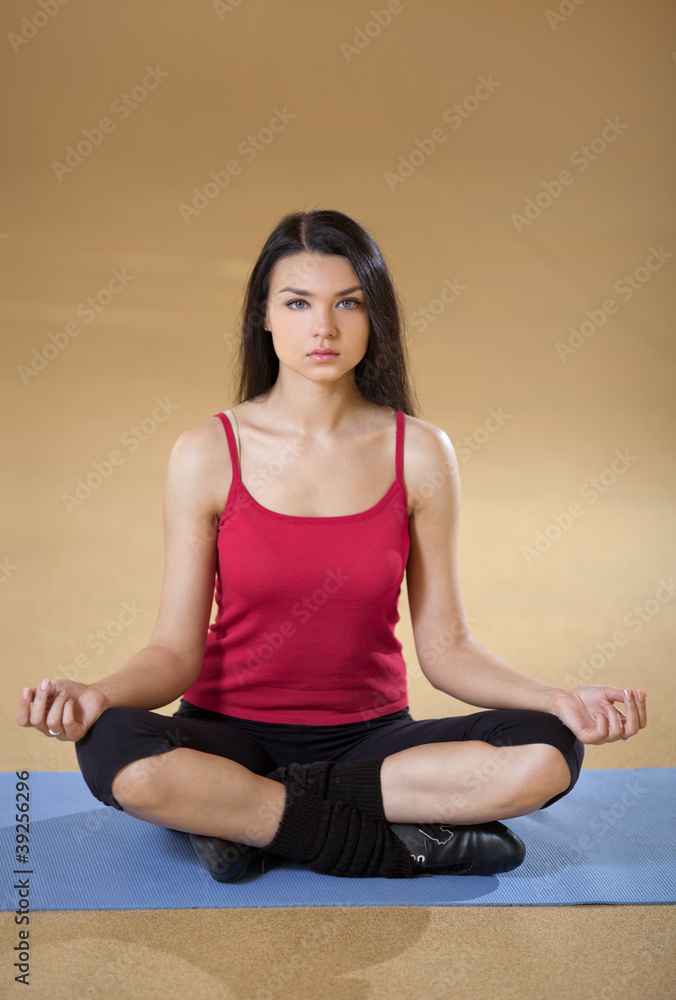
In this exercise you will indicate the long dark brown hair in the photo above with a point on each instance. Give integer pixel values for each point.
(382, 375)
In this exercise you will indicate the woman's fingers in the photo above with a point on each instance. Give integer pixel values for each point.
(45, 712)
(54, 719)
(642, 708)
(24, 709)
(615, 727)
(601, 728)
(632, 722)
(635, 703)
(41, 703)
(49, 709)
(613, 693)
(68, 714)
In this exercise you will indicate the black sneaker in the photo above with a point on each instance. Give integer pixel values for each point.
(225, 860)
(483, 849)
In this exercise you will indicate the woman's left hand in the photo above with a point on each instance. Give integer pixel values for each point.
(591, 714)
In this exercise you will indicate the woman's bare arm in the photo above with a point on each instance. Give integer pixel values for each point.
(166, 667)
(448, 655)
(171, 661)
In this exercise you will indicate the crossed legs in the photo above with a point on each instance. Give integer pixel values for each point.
(207, 776)
(461, 783)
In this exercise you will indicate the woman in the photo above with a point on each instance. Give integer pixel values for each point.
(293, 737)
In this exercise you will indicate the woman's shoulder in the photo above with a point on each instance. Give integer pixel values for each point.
(429, 456)
(201, 445)
(427, 440)
(424, 442)
(203, 434)
(200, 463)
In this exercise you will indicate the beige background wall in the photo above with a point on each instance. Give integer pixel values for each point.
(220, 75)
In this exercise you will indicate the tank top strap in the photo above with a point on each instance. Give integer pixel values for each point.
(230, 435)
(399, 462)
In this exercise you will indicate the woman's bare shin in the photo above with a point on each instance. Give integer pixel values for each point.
(201, 793)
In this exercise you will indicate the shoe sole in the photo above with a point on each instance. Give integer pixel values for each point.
(209, 852)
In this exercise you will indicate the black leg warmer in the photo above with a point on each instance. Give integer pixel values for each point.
(334, 838)
(356, 782)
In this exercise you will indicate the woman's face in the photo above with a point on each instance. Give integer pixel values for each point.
(315, 304)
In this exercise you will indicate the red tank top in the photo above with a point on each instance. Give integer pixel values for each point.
(306, 609)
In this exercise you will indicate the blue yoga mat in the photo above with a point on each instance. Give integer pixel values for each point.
(612, 840)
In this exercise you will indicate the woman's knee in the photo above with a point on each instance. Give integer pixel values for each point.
(136, 785)
(549, 773)
(563, 769)
(119, 736)
(556, 754)
(531, 774)
(573, 756)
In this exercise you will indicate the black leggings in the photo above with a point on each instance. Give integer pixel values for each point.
(123, 735)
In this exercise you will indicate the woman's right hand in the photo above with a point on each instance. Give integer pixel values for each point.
(66, 707)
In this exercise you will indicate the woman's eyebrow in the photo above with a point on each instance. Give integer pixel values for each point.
(302, 291)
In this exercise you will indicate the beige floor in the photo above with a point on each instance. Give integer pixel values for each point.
(169, 335)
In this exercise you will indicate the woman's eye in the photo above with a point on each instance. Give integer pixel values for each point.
(302, 302)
